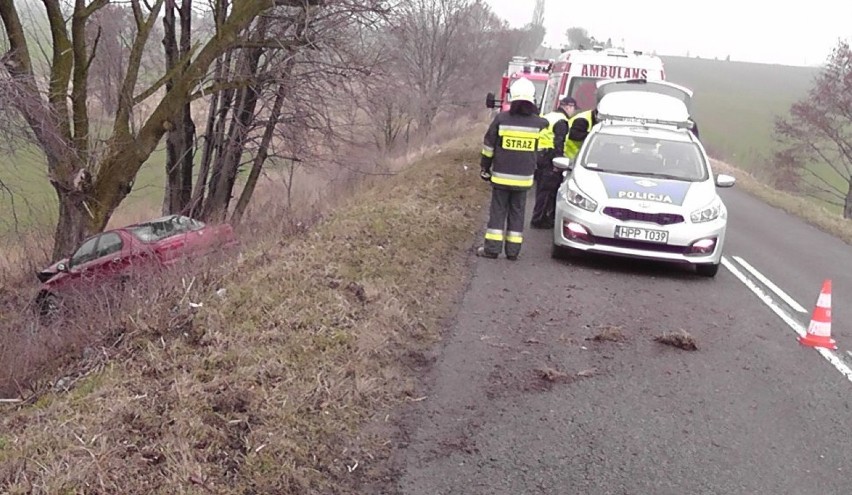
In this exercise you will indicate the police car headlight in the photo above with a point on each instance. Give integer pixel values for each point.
(708, 213)
(573, 195)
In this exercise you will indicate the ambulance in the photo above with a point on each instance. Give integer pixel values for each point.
(536, 70)
(576, 72)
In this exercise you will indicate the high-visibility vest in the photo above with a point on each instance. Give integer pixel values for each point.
(573, 147)
(545, 139)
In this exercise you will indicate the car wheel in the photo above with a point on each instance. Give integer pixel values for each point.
(707, 270)
(560, 252)
(47, 306)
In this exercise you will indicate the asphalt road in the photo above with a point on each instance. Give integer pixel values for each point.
(522, 401)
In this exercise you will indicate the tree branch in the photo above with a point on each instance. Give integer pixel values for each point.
(61, 66)
(121, 127)
(163, 80)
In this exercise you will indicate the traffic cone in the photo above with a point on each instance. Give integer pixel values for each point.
(819, 330)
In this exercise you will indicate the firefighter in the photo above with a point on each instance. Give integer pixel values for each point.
(509, 163)
(551, 145)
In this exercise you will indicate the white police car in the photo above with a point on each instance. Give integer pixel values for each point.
(642, 185)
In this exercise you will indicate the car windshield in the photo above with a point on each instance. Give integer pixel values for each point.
(646, 156)
(162, 228)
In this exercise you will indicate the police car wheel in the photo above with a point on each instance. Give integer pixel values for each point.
(707, 270)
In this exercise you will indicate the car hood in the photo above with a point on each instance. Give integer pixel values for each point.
(51, 271)
(651, 194)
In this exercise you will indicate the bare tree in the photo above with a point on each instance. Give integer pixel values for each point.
(817, 135)
(285, 76)
(446, 52)
(90, 186)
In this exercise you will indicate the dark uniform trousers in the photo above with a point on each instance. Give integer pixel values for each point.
(546, 186)
(506, 222)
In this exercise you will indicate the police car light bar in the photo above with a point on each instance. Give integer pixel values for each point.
(686, 124)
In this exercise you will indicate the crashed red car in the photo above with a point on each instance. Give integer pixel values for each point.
(113, 255)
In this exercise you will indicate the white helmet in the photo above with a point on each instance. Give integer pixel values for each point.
(522, 90)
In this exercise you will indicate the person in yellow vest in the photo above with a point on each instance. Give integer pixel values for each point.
(551, 144)
(508, 162)
(579, 127)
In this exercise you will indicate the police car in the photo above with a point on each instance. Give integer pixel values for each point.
(642, 185)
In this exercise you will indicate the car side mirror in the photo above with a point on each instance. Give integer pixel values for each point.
(724, 180)
(563, 163)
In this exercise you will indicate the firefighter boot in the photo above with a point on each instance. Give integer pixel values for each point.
(482, 253)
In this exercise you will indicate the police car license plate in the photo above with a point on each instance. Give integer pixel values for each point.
(640, 234)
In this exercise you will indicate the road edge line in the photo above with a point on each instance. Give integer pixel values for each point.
(830, 356)
(769, 284)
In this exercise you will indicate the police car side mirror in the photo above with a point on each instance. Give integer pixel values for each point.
(563, 163)
(723, 180)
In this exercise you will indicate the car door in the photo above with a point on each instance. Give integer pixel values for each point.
(110, 261)
(97, 260)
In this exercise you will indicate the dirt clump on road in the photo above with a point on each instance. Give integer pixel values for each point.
(680, 339)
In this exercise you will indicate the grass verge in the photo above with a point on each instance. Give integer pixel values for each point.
(265, 389)
(804, 208)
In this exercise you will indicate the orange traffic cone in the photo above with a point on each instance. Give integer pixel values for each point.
(819, 330)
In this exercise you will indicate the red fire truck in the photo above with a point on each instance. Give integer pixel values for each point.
(536, 70)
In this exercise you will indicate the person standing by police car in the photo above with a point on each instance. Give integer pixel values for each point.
(509, 162)
(548, 179)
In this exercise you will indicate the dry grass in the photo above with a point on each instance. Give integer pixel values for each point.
(609, 333)
(804, 208)
(264, 389)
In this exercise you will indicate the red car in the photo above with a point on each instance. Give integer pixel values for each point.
(113, 255)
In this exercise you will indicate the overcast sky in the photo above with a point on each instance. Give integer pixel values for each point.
(800, 33)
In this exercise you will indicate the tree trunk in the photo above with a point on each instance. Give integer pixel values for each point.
(847, 204)
(220, 106)
(180, 141)
(225, 169)
(260, 158)
(225, 173)
(71, 228)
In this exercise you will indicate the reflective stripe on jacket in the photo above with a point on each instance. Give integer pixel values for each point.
(509, 149)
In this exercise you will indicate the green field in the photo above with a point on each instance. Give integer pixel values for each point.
(24, 173)
(736, 104)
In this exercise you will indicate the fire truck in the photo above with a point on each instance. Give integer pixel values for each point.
(536, 70)
(576, 72)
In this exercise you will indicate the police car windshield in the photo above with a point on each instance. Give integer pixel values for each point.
(645, 156)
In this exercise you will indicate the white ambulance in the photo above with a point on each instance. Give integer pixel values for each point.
(576, 72)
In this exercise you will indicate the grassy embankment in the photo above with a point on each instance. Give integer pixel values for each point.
(736, 104)
(265, 390)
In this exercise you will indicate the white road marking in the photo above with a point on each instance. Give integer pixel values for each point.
(829, 355)
(774, 288)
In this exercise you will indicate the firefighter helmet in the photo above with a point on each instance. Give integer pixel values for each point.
(522, 90)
